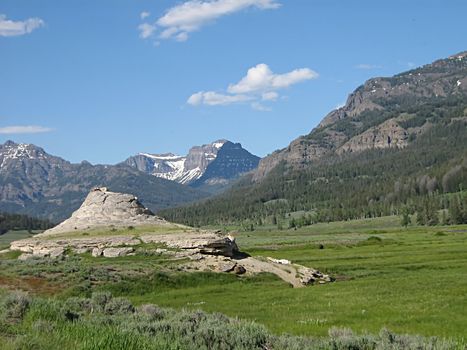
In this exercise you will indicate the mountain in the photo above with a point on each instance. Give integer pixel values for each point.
(211, 167)
(398, 141)
(36, 183)
(231, 162)
(382, 113)
(181, 169)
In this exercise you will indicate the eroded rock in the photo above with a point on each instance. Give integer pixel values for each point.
(103, 208)
(117, 252)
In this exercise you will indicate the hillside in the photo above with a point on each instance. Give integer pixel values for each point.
(36, 183)
(397, 141)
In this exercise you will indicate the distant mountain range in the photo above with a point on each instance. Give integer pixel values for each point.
(210, 167)
(36, 183)
(395, 142)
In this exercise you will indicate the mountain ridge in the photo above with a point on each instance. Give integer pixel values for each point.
(36, 183)
(201, 167)
(398, 141)
(440, 79)
(181, 169)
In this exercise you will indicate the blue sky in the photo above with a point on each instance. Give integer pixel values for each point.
(102, 80)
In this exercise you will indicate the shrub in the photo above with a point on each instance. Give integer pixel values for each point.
(119, 306)
(99, 300)
(15, 306)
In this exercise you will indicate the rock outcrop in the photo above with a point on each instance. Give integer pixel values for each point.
(387, 135)
(103, 208)
(108, 212)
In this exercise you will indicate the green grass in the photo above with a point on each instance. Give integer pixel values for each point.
(408, 280)
(11, 236)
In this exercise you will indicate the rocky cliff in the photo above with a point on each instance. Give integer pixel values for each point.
(232, 161)
(211, 167)
(181, 169)
(363, 123)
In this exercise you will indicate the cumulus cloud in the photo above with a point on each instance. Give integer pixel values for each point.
(212, 98)
(270, 96)
(145, 14)
(181, 20)
(259, 84)
(23, 129)
(146, 30)
(16, 28)
(261, 78)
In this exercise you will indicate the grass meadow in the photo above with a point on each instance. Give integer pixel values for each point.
(409, 280)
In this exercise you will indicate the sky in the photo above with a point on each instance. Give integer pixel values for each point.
(103, 80)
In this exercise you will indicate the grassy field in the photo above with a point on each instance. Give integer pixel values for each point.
(409, 280)
(11, 236)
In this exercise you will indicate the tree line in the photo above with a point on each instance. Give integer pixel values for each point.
(22, 222)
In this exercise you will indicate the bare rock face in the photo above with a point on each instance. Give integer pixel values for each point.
(442, 78)
(386, 135)
(103, 208)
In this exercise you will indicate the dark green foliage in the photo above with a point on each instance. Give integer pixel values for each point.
(22, 222)
(369, 184)
(405, 220)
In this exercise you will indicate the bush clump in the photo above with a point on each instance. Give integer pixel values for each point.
(106, 323)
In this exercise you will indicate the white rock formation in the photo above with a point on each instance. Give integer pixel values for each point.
(103, 208)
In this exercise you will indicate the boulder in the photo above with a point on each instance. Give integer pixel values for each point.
(96, 252)
(117, 252)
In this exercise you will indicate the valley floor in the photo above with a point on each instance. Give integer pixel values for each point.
(407, 280)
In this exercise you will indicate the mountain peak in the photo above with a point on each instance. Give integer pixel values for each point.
(360, 123)
(10, 143)
(12, 150)
(192, 167)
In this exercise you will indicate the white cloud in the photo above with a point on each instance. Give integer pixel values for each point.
(367, 66)
(145, 14)
(23, 129)
(260, 84)
(270, 96)
(12, 28)
(146, 30)
(212, 98)
(181, 20)
(260, 107)
(261, 78)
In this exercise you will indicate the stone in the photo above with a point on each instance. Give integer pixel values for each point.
(226, 266)
(279, 261)
(117, 252)
(96, 252)
(56, 252)
(82, 250)
(103, 208)
(239, 270)
(25, 256)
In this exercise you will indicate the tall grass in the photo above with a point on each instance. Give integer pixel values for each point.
(106, 323)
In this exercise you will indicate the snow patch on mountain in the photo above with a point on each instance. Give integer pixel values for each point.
(14, 151)
(182, 169)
